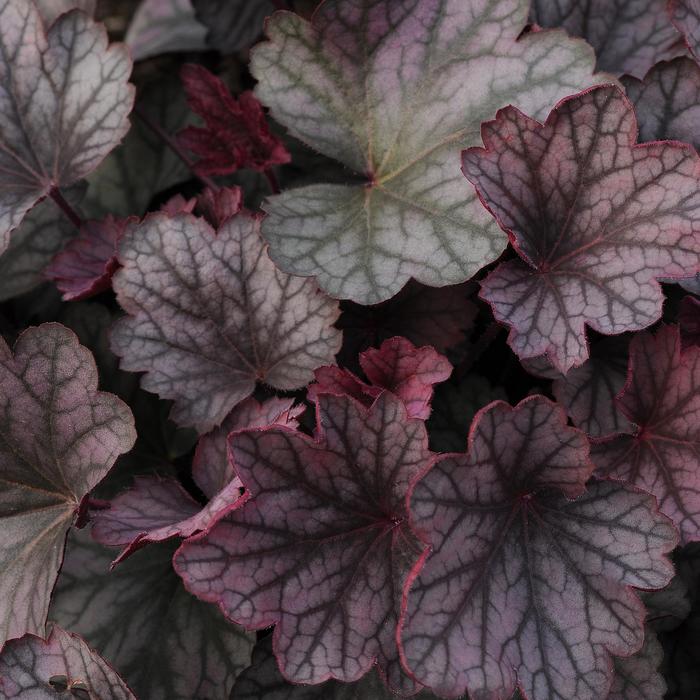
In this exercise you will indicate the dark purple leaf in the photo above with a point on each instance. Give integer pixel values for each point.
(661, 398)
(527, 576)
(59, 437)
(595, 219)
(322, 547)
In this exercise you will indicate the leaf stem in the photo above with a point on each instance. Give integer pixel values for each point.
(65, 207)
(169, 141)
(272, 181)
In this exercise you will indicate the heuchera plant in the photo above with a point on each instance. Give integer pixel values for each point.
(350, 349)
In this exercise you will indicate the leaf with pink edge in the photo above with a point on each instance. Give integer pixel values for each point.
(595, 218)
(322, 547)
(209, 315)
(527, 576)
(686, 16)
(59, 437)
(62, 666)
(64, 101)
(662, 399)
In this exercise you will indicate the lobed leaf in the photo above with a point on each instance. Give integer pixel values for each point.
(59, 437)
(209, 315)
(661, 398)
(64, 102)
(527, 576)
(595, 218)
(393, 90)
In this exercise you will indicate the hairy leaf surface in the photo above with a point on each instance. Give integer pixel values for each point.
(393, 90)
(595, 219)
(63, 666)
(59, 437)
(322, 547)
(64, 102)
(686, 16)
(528, 574)
(209, 315)
(662, 399)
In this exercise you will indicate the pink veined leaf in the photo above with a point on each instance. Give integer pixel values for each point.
(629, 36)
(595, 218)
(527, 576)
(689, 320)
(86, 265)
(322, 548)
(59, 437)
(662, 398)
(236, 134)
(208, 315)
(588, 392)
(64, 101)
(686, 17)
(62, 666)
(397, 366)
(637, 677)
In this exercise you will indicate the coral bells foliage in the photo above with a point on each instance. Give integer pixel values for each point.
(350, 351)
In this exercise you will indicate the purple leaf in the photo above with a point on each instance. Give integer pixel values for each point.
(637, 677)
(86, 265)
(588, 392)
(595, 218)
(64, 101)
(62, 666)
(209, 315)
(528, 574)
(59, 437)
(629, 36)
(686, 17)
(322, 547)
(661, 398)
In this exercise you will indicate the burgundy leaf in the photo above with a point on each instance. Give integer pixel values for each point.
(637, 677)
(686, 17)
(397, 366)
(689, 320)
(217, 206)
(662, 398)
(629, 36)
(59, 437)
(595, 218)
(588, 392)
(209, 315)
(179, 205)
(86, 265)
(527, 575)
(236, 134)
(64, 101)
(63, 666)
(322, 548)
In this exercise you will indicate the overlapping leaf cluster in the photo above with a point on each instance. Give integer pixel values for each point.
(350, 349)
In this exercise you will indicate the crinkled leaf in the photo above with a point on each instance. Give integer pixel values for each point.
(629, 36)
(162, 26)
(595, 218)
(322, 548)
(432, 316)
(51, 9)
(232, 25)
(686, 16)
(86, 265)
(662, 398)
(637, 677)
(235, 133)
(209, 315)
(63, 666)
(59, 437)
(393, 90)
(166, 643)
(528, 574)
(64, 103)
(588, 392)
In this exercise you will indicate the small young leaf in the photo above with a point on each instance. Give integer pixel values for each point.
(64, 101)
(662, 398)
(595, 218)
(322, 548)
(209, 315)
(393, 91)
(528, 573)
(232, 25)
(59, 437)
(34, 669)
(686, 16)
